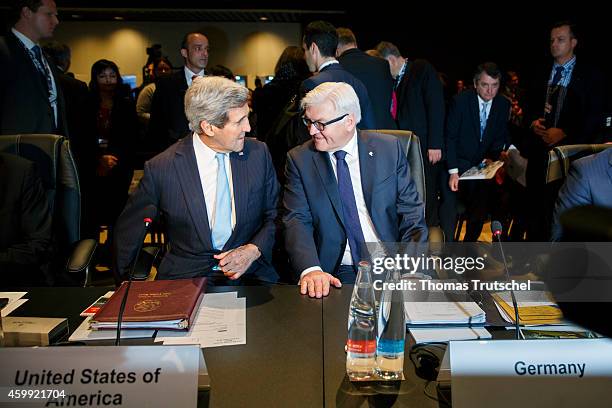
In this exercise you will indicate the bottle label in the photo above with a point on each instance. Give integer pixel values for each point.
(361, 346)
(390, 346)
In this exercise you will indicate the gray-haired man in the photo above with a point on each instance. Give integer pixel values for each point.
(216, 191)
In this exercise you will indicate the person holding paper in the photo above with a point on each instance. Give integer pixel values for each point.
(476, 130)
(216, 190)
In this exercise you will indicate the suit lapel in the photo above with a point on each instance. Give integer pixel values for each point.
(189, 178)
(366, 167)
(475, 115)
(181, 81)
(326, 172)
(240, 182)
(492, 117)
(402, 88)
(18, 47)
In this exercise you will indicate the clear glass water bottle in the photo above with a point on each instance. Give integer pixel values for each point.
(361, 343)
(391, 330)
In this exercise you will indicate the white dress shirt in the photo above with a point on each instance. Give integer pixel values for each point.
(189, 75)
(367, 226)
(208, 169)
(328, 63)
(29, 44)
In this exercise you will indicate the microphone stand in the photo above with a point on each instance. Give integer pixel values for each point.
(147, 223)
(517, 326)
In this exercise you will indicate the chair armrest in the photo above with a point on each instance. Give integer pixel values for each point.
(145, 262)
(81, 256)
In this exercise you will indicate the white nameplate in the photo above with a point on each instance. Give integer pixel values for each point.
(126, 376)
(531, 373)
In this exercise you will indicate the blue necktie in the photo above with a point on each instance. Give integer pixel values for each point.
(349, 207)
(483, 119)
(557, 77)
(222, 228)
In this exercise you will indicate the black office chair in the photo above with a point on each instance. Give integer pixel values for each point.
(560, 158)
(71, 264)
(411, 144)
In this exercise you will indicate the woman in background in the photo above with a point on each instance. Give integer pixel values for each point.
(162, 67)
(117, 130)
(289, 72)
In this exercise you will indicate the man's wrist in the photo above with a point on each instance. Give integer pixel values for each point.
(255, 249)
(308, 270)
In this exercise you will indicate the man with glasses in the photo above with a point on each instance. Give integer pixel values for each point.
(344, 188)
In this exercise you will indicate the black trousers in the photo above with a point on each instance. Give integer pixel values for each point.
(478, 198)
(432, 192)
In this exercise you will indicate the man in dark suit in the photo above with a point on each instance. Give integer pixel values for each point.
(216, 191)
(476, 131)
(589, 182)
(25, 223)
(344, 188)
(320, 43)
(419, 108)
(373, 72)
(31, 100)
(168, 122)
(81, 122)
(573, 114)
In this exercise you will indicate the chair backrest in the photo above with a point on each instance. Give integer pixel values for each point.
(54, 161)
(560, 158)
(412, 146)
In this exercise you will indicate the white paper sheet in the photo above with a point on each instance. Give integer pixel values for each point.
(220, 321)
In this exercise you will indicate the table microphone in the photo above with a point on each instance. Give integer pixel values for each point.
(147, 220)
(496, 230)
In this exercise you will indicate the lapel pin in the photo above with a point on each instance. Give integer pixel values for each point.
(241, 154)
(371, 154)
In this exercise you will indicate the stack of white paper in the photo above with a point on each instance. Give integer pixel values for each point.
(443, 334)
(220, 321)
(84, 333)
(444, 313)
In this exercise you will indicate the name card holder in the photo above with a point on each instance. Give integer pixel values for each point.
(128, 376)
(530, 373)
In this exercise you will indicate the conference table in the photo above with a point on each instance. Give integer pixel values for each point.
(294, 355)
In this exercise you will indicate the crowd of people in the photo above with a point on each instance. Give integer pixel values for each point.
(215, 151)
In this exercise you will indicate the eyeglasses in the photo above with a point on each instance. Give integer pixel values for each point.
(320, 126)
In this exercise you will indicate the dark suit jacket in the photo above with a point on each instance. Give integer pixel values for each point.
(168, 121)
(581, 117)
(24, 97)
(589, 182)
(464, 149)
(171, 184)
(376, 76)
(583, 107)
(314, 226)
(336, 73)
(25, 222)
(420, 104)
(81, 121)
